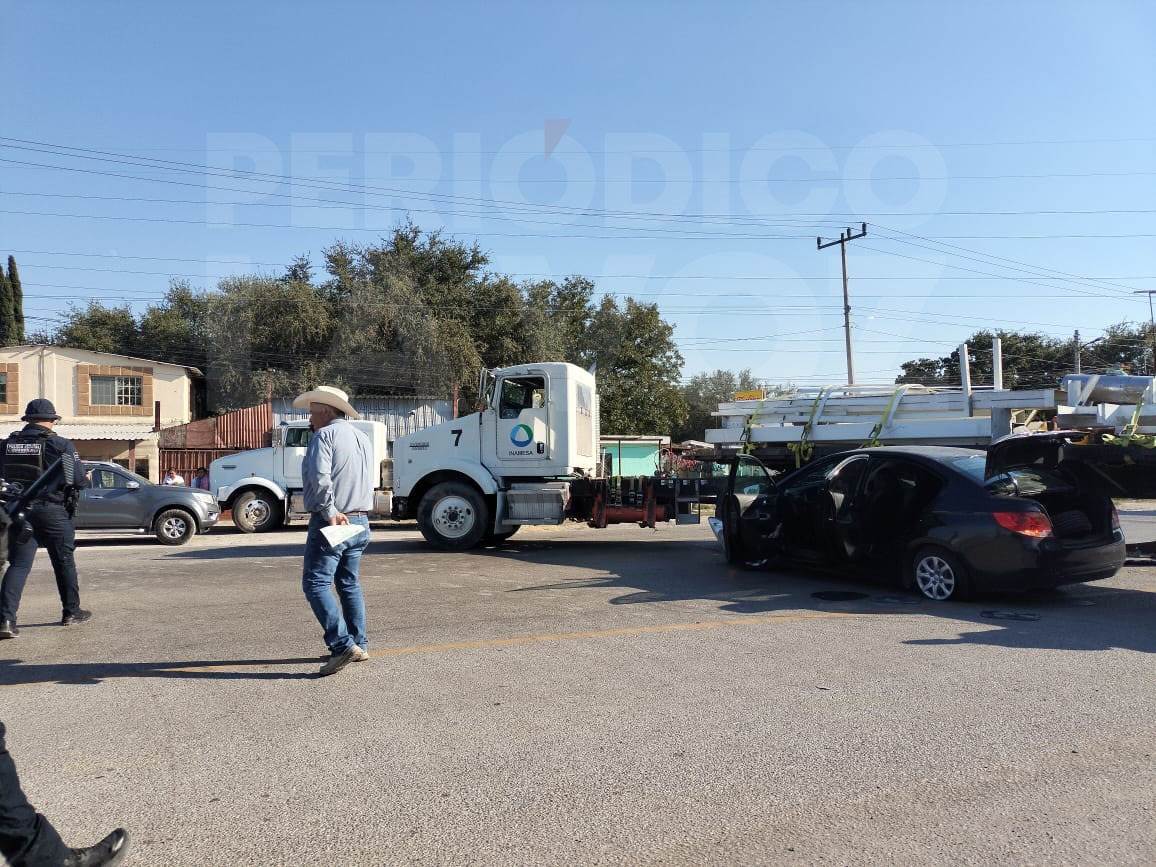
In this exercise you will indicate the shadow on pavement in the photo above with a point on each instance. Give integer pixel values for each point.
(14, 672)
(296, 549)
(1075, 617)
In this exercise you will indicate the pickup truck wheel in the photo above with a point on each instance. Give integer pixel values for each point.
(453, 516)
(174, 527)
(257, 512)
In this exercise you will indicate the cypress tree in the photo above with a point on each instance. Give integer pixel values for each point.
(7, 320)
(17, 300)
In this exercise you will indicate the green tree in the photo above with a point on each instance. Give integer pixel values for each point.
(703, 393)
(638, 368)
(17, 299)
(100, 329)
(7, 318)
(1029, 361)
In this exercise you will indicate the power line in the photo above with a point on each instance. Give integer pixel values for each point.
(645, 151)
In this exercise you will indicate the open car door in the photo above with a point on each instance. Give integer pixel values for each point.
(749, 512)
(1115, 466)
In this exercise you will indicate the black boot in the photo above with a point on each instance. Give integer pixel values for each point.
(79, 617)
(8, 629)
(108, 851)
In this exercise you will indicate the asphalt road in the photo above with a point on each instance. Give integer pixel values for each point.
(614, 697)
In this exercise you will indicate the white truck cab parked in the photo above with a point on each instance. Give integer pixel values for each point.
(529, 456)
(262, 487)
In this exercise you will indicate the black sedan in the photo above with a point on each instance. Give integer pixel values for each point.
(947, 521)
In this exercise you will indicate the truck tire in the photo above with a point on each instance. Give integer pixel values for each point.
(174, 527)
(498, 538)
(453, 516)
(255, 511)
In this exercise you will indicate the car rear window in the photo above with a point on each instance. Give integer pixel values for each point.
(1019, 482)
(971, 465)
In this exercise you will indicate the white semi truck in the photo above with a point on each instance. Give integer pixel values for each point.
(530, 456)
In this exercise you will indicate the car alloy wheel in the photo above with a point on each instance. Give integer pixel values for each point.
(174, 527)
(935, 577)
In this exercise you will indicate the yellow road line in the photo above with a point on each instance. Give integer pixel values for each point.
(541, 638)
(229, 666)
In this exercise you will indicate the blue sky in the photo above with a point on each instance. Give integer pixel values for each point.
(747, 128)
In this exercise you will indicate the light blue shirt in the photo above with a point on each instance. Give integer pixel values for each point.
(338, 471)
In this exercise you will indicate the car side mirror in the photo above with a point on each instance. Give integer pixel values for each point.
(132, 485)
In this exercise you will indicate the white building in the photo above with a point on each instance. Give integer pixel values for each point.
(111, 406)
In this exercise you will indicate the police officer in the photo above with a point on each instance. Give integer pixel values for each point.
(25, 456)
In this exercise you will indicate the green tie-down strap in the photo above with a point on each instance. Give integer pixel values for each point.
(873, 438)
(1129, 437)
(804, 448)
(745, 439)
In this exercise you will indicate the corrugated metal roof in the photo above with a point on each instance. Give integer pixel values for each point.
(93, 431)
(400, 415)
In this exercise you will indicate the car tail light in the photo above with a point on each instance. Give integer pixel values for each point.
(1034, 524)
(1115, 517)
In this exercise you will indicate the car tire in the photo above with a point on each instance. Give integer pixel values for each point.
(257, 512)
(453, 516)
(939, 576)
(174, 527)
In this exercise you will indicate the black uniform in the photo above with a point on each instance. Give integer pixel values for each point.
(26, 454)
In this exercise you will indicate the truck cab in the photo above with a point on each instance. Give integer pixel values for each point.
(263, 487)
(480, 477)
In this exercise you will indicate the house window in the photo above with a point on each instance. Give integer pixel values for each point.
(3, 388)
(117, 390)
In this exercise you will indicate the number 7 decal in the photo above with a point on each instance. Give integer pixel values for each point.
(457, 436)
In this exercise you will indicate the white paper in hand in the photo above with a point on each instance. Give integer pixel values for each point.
(339, 534)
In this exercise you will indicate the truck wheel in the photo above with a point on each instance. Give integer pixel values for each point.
(499, 538)
(453, 516)
(257, 512)
(174, 527)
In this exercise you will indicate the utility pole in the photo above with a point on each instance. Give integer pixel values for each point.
(1078, 350)
(842, 240)
(1151, 324)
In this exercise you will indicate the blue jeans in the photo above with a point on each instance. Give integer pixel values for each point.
(324, 568)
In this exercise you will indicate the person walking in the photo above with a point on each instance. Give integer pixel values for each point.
(337, 476)
(25, 456)
(27, 839)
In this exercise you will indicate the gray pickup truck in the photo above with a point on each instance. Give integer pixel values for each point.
(118, 500)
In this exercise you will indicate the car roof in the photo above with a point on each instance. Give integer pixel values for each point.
(935, 453)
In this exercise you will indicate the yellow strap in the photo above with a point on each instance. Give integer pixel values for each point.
(1129, 437)
(803, 449)
(873, 439)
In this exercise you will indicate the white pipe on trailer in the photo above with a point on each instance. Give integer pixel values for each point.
(965, 378)
(997, 364)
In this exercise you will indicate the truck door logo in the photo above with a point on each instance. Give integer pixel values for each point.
(521, 435)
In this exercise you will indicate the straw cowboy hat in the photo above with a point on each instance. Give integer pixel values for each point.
(328, 395)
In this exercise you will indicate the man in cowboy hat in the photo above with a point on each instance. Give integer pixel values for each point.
(337, 476)
(26, 455)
